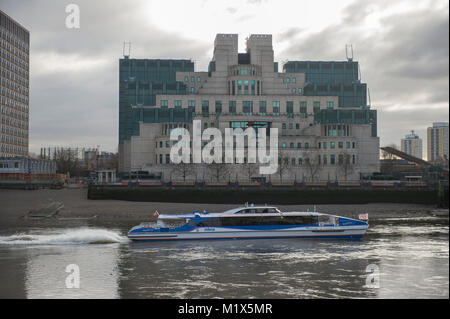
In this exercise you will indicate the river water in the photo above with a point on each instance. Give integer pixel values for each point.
(398, 258)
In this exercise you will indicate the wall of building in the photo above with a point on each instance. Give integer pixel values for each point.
(316, 121)
(14, 87)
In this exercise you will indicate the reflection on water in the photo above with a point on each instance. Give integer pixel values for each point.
(99, 275)
(412, 257)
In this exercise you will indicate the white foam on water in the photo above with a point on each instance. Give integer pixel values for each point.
(74, 236)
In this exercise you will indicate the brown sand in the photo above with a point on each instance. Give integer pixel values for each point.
(15, 204)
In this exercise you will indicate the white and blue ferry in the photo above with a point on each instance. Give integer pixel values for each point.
(249, 222)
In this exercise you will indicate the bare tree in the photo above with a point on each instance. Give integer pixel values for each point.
(284, 164)
(312, 164)
(220, 171)
(250, 169)
(388, 160)
(387, 155)
(67, 161)
(344, 164)
(182, 169)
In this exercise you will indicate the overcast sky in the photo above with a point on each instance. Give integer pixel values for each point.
(402, 48)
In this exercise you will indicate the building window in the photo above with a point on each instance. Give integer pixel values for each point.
(354, 159)
(306, 145)
(205, 108)
(332, 159)
(332, 145)
(354, 145)
(167, 158)
(164, 103)
(198, 79)
(192, 90)
(303, 108)
(239, 83)
(347, 144)
(294, 90)
(192, 79)
(288, 80)
(300, 161)
(276, 108)
(232, 107)
(253, 87)
(291, 145)
(290, 109)
(299, 145)
(340, 144)
(218, 107)
(294, 80)
(233, 88)
(330, 104)
(160, 158)
(160, 144)
(178, 104)
(291, 126)
(297, 126)
(293, 161)
(283, 145)
(262, 107)
(283, 126)
(325, 159)
(325, 145)
(186, 79)
(245, 87)
(247, 107)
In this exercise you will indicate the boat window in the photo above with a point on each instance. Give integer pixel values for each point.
(325, 219)
(268, 211)
(212, 222)
(176, 222)
(269, 220)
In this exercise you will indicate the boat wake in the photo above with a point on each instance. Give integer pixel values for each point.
(66, 237)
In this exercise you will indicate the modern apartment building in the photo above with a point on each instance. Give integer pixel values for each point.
(412, 145)
(437, 142)
(14, 87)
(326, 128)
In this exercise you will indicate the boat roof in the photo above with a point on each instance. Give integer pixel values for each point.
(236, 212)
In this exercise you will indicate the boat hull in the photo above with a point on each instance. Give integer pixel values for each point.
(355, 233)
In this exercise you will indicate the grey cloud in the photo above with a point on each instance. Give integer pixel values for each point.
(405, 62)
(289, 34)
(81, 107)
(232, 10)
